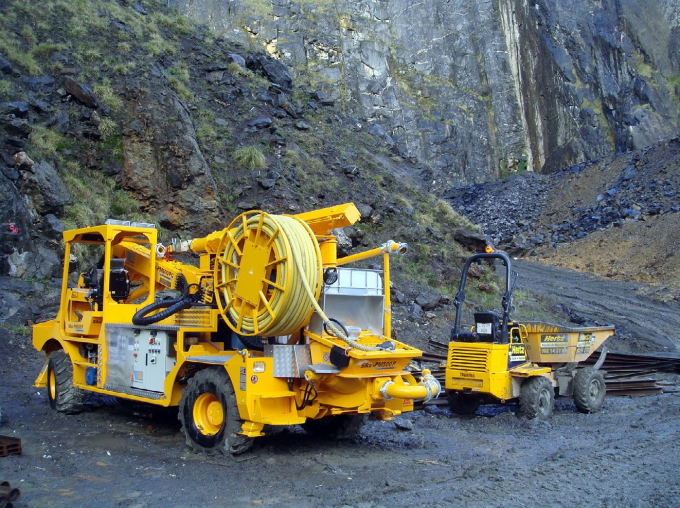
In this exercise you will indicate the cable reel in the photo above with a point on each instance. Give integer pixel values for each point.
(260, 266)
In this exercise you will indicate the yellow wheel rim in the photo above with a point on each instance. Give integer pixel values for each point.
(208, 414)
(53, 385)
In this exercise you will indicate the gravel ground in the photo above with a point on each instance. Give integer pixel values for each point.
(628, 454)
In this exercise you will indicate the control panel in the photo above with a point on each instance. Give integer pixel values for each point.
(151, 361)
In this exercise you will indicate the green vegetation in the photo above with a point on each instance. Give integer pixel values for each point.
(252, 78)
(181, 71)
(124, 68)
(673, 83)
(182, 91)
(250, 157)
(157, 46)
(107, 95)
(516, 166)
(89, 33)
(18, 53)
(176, 22)
(643, 68)
(21, 330)
(6, 88)
(107, 128)
(98, 198)
(441, 212)
(47, 142)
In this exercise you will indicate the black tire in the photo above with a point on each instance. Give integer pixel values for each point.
(537, 398)
(63, 396)
(209, 415)
(336, 427)
(589, 390)
(463, 404)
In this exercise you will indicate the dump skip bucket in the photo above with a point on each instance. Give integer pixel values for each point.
(547, 343)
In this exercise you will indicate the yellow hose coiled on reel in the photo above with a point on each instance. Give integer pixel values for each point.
(262, 267)
(268, 275)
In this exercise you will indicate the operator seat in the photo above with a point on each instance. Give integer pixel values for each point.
(488, 327)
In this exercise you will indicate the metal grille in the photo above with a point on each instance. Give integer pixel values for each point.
(194, 318)
(469, 359)
(134, 391)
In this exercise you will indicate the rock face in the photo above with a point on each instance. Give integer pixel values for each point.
(473, 88)
(164, 167)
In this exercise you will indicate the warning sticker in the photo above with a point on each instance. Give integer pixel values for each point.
(585, 342)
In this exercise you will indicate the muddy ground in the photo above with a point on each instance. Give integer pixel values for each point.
(628, 454)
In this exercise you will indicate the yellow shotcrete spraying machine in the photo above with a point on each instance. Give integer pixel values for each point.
(270, 329)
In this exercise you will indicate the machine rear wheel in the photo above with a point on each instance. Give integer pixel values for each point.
(63, 396)
(589, 390)
(537, 398)
(462, 404)
(336, 427)
(209, 414)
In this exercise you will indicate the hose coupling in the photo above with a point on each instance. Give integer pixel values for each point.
(434, 388)
(383, 390)
(160, 250)
(392, 247)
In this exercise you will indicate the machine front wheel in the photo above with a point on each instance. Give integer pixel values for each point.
(209, 414)
(537, 398)
(462, 404)
(63, 396)
(336, 427)
(589, 390)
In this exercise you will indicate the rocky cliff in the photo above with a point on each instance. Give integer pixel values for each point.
(473, 90)
(127, 110)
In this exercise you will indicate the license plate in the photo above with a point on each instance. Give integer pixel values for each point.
(484, 328)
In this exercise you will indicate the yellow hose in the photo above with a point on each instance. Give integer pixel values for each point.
(265, 294)
(255, 300)
(336, 329)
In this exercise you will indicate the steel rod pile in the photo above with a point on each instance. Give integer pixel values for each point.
(628, 374)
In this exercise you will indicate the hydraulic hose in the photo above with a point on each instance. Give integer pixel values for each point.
(172, 306)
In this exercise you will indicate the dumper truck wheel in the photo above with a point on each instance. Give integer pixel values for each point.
(462, 404)
(537, 398)
(589, 390)
(63, 396)
(336, 427)
(209, 414)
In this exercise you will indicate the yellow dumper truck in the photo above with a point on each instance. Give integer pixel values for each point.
(498, 359)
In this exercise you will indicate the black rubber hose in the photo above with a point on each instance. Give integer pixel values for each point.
(254, 342)
(331, 332)
(173, 306)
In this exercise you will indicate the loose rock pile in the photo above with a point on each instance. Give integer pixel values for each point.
(504, 209)
(529, 210)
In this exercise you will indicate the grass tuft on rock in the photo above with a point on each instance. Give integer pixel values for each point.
(250, 157)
